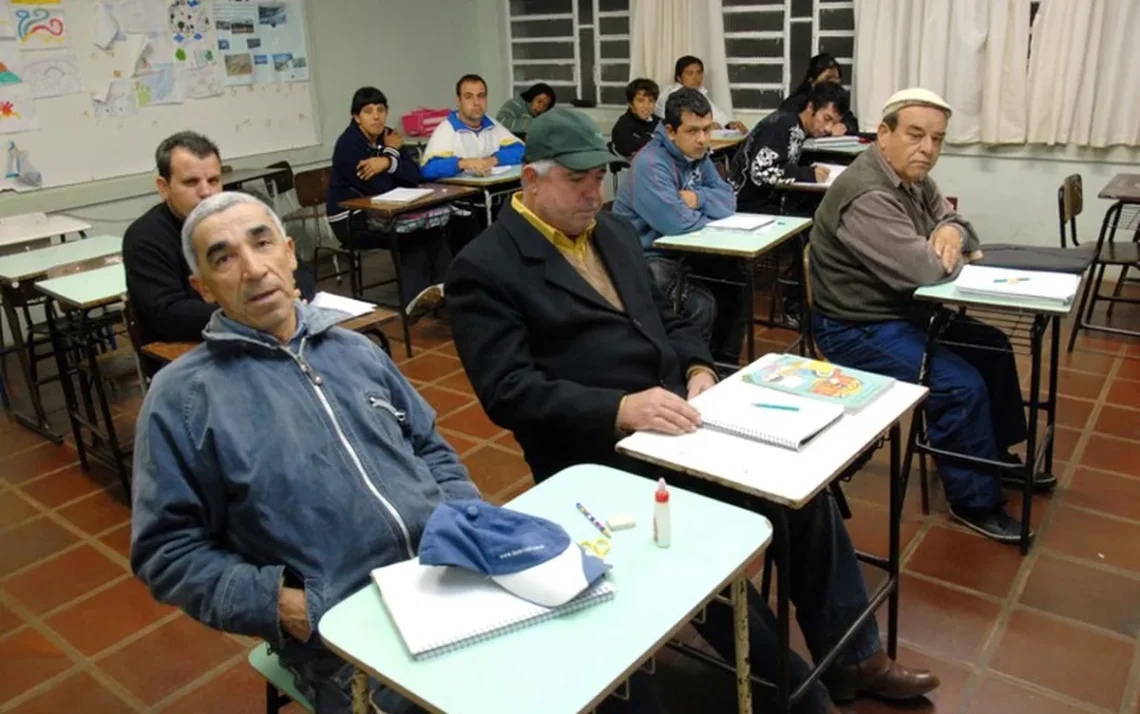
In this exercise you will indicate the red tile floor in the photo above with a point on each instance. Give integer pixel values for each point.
(1057, 632)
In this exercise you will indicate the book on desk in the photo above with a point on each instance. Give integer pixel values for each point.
(1059, 288)
(852, 389)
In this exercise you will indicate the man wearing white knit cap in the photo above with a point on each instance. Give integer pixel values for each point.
(883, 230)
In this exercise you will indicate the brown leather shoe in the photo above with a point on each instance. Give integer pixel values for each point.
(880, 676)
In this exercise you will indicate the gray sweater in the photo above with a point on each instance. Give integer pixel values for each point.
(869, 242)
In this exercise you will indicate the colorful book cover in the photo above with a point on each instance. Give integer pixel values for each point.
(810, 378)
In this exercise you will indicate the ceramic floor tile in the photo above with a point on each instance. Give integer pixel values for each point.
(63, 578)
(1084, 593)
(27, 659)
(1083, 664)
(119, 540)
(66, 485)
(80, 692)
(146, 668)
(942, 620)
(429, 366)
(1106, 492)
(1125, 393)
(30, 541)
(37, 461)
(444, 401)
(493, 469)
(966, 559)
(99, 511)
(14, 509)
(996, 695)
(1095, 538)
(1119, 421)
(108, 617)
(1110, 454)
(472, 421)
(238, 690)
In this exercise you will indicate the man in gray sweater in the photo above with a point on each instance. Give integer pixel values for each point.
(883, 230)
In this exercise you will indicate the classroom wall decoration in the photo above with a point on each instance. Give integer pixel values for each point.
(40, 26)
(87, 82)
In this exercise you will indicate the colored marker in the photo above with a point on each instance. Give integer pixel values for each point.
(781, 407)
(590, 517)
(1012, 281)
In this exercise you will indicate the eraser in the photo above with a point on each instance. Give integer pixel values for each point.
(621, 523)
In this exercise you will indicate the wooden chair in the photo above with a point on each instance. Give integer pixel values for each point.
(312, 191)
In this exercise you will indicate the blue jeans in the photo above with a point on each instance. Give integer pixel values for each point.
(975, 405)
(326, 681)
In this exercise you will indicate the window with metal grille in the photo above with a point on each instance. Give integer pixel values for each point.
(768, 44)
(579, 47)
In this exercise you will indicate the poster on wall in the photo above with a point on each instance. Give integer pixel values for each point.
(121, 101)
(11, 64)
(17, 109)
(42, 26)
(201, 82)
(7, 26)
(272, 33)
(157, 87)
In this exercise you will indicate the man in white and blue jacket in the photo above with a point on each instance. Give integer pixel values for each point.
(280, 461)
(673, 187)
(469, 140)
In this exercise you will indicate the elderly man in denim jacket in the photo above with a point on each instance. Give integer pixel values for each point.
(280, 461)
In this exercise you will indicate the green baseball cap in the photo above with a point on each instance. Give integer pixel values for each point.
(571, 139)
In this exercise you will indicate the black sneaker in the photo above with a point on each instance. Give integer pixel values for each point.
(992, 523)
(1017, 472)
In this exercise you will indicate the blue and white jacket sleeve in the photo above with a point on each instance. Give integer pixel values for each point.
(511, 148)
(178, 516)
(657, 199)
(440, 159)
(429, 446)
(717, 199)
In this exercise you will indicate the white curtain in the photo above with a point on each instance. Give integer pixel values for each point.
(971, 52)
(1083, 86)
(663, 30)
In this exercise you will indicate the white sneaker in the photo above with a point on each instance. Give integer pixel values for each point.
(423, 303)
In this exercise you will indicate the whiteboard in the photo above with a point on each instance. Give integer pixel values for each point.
(72, 145)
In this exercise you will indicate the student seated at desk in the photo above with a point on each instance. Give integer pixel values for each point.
(252, 509)
(822, 68)
(771, 152)
(883, 230)
(634, 129)
(570, 345)
(673, 188)
(369, 159)
(469, 140)
(689, 71)
(516, 114)
(166, 307)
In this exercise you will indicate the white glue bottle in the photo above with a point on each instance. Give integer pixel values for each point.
(662, 528)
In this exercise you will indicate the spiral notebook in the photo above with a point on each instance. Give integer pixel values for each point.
(438, 609)
(772, 417)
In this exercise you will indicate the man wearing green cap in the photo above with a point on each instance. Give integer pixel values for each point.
(570, 345)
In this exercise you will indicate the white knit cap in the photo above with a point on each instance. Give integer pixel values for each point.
(915, 96)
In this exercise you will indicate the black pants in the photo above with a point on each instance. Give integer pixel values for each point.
(424, 255)
(718, 308)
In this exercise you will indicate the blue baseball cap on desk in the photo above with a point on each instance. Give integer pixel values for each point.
(528, 556)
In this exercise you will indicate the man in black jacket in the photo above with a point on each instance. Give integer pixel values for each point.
(569, 344)
(634, 129)
(771, 153)
(166, 308)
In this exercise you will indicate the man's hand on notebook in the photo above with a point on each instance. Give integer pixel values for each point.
(657, 409)
(292, 611)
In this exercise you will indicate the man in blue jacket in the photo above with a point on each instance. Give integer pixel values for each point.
(280, 461)
(673, 187)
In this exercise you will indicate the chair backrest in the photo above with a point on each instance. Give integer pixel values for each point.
(807, 281)
(83, 266)
(312, 186)
(283, 180)
(132, 324)
(1070, 203)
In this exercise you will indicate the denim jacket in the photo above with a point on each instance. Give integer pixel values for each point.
(257, 463)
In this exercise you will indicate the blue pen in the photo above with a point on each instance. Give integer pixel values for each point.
(781, 407)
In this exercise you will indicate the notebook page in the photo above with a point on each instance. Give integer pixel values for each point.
(402, 195)
(329, 301)
(739, 411)
(989, 280)
(742, 222)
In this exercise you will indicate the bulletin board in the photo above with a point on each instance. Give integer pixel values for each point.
(88, 88)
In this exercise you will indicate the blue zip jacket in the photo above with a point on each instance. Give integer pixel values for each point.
(650, 196)
(255, 461)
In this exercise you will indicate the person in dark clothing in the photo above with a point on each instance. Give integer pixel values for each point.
(634, 129)
(771, 152)
(822, 68)
(369, 159)
(166, 308)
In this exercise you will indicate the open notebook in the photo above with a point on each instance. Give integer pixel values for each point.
(834, 171)
(742, 222)
(766, 415)
(1060, 288)
(402, 195)
(437, 609)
